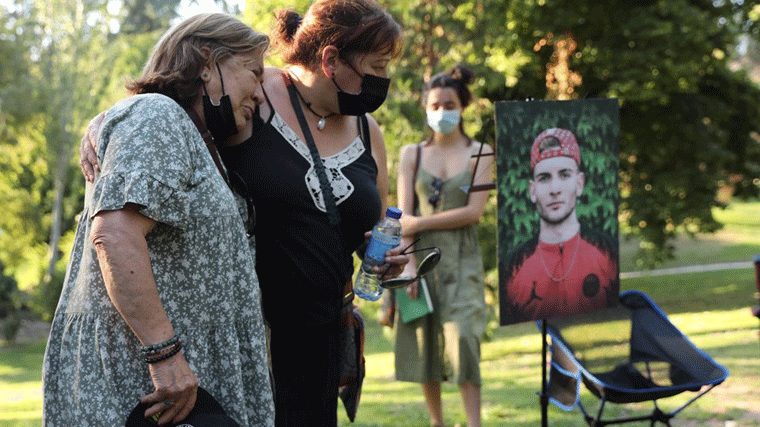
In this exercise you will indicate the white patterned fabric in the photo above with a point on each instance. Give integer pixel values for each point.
(341, 186)
(94, 373)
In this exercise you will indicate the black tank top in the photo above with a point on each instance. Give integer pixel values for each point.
(302, 269)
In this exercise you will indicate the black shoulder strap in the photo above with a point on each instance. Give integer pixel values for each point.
(364, 132)
(414, 176)
(269, 104)
(417, 160)
(327, 193)
(331, 207)
(210, 145)
(233, 180)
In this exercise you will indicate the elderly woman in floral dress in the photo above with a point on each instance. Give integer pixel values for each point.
(161, 295)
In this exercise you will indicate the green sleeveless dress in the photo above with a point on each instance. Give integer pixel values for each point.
(445, 345)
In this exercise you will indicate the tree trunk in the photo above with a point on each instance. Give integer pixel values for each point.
(57, 212)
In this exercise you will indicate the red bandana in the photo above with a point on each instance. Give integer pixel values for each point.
(568, 146)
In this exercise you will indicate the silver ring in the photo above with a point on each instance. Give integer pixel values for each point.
(168, 402)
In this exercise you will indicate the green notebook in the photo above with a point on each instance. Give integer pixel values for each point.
(411, 309)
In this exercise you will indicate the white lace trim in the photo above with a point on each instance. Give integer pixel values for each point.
(341, 186)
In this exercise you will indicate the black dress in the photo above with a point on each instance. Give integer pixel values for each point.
(302, 267)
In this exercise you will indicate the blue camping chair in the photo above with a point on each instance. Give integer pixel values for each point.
(660, 362)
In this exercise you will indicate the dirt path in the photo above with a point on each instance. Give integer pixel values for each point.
(688, 269)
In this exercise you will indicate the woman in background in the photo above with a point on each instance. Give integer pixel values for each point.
(445, 345)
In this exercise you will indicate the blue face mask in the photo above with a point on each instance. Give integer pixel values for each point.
(443, 121)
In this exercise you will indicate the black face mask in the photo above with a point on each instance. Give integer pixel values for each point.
(372, 95)
(257, 122)
(220, 119)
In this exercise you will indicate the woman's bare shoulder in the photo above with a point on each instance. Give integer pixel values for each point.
(477, 146)
(273, 80)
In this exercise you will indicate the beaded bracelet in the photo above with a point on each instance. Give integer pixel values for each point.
(172, 352)
(157, 348)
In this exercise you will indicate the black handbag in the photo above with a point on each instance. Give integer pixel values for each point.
(351, 353)
(351, 335)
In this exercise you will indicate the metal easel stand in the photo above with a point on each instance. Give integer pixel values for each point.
(544, 395)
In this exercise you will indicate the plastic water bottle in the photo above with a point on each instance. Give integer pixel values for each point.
(385, 235)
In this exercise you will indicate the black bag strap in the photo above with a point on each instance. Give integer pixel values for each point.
(417, 161)
(319, 165)
(364, 132)
(233, 181)
(414, 177)
(210, 144)
(327, 194)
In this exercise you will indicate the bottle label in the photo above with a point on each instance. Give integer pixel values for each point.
(379, 244)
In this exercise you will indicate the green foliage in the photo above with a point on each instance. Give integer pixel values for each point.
(39, 141)
(127, 55)
(8, 289)
(665, 62)
(22, 161)
(145, 16)
(688, 123)
(260, 14)
(73, 67)
(595, 125)
(10, 318)
(44, 299)
(686, 120)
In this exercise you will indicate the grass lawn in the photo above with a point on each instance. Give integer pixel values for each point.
(739, 240)
(21, 385)
(712, 308)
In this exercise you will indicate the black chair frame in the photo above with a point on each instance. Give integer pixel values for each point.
(653, 339)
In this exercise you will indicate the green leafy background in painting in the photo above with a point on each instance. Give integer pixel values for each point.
(595, 123)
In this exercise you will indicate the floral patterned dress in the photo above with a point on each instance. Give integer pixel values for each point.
(93, 374)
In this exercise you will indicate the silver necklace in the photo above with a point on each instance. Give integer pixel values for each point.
(569, 270)
(322, 122)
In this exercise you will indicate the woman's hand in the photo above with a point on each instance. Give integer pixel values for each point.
(412, 290)
(395, 263)
(409, 225)
(88, 158)
(411, 271)
(176, 390)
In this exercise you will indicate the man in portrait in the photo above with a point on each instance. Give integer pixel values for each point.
(567, 268)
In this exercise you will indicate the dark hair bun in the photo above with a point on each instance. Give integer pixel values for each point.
(462, 73)
(458, 78)
(286, 24)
